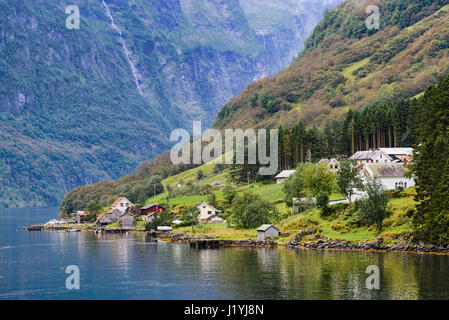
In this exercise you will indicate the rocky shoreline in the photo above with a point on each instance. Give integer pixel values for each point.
(188, 237)
(313, 241)
(317, 242)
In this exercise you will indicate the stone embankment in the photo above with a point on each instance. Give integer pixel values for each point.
(318, 242)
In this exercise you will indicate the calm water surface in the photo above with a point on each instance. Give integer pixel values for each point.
(133, 266)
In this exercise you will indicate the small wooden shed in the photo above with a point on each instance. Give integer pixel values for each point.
(127, 220)
(267, 231)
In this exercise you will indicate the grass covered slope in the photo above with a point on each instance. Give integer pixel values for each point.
(346, 66)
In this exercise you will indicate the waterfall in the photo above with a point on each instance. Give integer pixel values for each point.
(128, 55)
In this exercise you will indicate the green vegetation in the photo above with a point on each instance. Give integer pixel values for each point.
(249, 211)
(309, 180)
(347, 67)
(373, 209)
(348, 179)
(431, 166)
(71, 113)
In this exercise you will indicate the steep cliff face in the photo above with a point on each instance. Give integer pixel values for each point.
(80, 106)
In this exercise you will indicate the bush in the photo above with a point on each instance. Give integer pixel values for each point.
(249, 211)
(335, 210)
(394, 194)
(340, 226)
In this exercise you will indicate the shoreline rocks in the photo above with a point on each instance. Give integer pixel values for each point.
(316, 241)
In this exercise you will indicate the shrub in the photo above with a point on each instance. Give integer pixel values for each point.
(394, 194)
(340, 226)
(335, 210)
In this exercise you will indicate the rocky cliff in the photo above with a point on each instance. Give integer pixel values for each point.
(83, 105)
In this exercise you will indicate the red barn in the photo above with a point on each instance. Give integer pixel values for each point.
(150, 209)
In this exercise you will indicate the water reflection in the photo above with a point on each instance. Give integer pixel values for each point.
(135, 266)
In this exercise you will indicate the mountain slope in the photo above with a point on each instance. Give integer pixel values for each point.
(346, 66)
(80, 106)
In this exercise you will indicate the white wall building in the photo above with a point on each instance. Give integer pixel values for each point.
(372, 156)
(122, 204)
(390, 175)
(207, 212)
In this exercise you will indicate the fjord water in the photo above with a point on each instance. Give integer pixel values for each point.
(133, 266)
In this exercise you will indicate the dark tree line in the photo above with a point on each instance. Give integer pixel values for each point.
(391, 124)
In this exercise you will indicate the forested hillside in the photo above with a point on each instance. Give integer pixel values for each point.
(346, 66)
(81, 106)
(373, 110)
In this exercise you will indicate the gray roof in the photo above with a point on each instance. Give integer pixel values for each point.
(387, 170)
(364, 155)
(327, 161)
(151, 205)
(398, 151)
(265, 227)
(285, 174)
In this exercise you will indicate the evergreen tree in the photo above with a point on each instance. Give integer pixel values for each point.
(431, 166)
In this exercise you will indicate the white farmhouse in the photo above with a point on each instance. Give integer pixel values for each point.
(372, 156)
(283, 175)
(207, 212)
(122, 204)
(390, 175)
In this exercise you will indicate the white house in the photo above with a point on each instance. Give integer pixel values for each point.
(390, 175)
(283, 175)
(333, 164)
(371, 156)
(122, 204)
(207, 212)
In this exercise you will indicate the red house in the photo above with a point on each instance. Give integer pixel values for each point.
(150, 209)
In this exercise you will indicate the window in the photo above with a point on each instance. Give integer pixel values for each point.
(121, 204)
(204, 207)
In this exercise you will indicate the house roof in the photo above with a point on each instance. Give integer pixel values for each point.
(386, 170)
(398, 151)
(127, 213)
(367, 155)
(327, 161)
(265, 227)
(205, 203)
(120, 199)
(151, 205)
(285, 174)
(111, 211)
(100, 216)
(83, 213)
